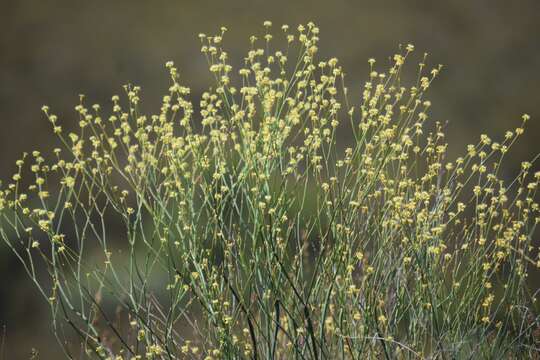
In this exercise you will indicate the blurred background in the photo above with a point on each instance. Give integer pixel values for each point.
(51, 51)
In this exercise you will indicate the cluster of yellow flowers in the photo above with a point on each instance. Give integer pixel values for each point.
(269, 230)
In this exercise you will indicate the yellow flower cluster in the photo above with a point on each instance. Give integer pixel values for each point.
(249, 214)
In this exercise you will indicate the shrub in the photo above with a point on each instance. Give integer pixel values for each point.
(252, 231)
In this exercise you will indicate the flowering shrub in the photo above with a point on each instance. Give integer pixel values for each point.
(250, 231)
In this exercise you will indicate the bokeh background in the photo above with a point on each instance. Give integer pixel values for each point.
(51, 51)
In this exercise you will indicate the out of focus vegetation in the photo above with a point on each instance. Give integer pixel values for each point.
(51, 51)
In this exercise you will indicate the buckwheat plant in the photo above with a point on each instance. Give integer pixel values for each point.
(248, 229)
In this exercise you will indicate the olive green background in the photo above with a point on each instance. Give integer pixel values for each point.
(51, 51)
